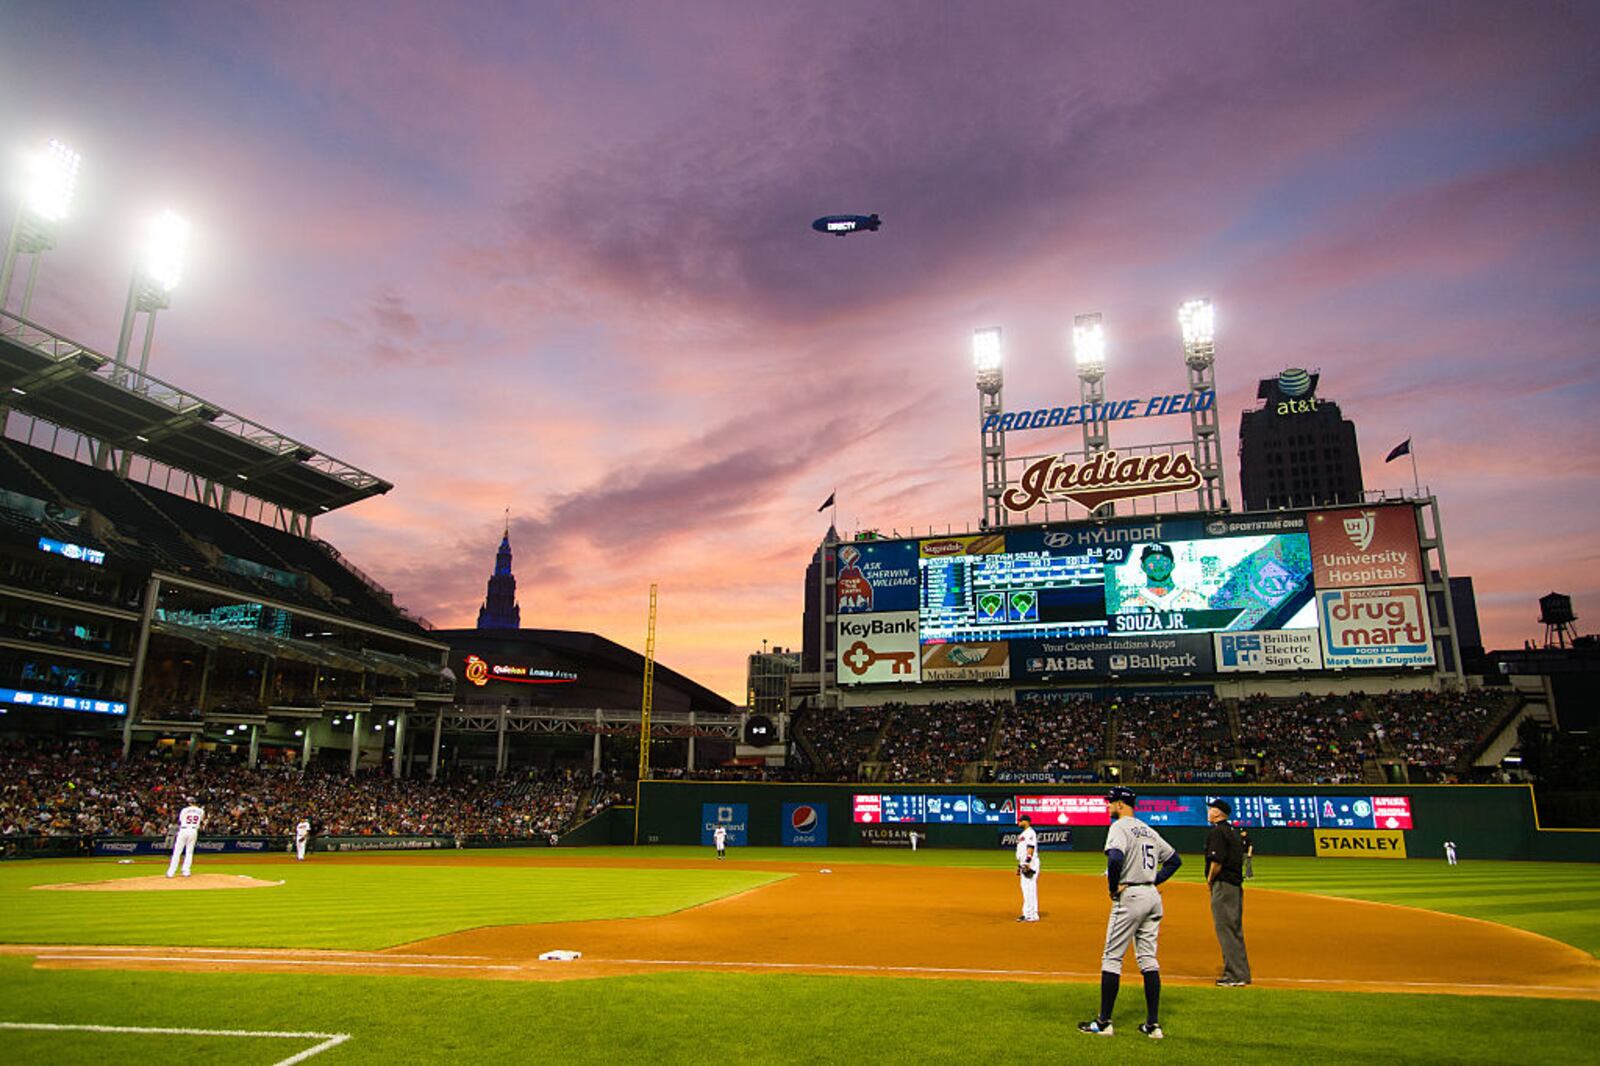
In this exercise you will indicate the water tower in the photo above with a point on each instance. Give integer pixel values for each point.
(1555, 612)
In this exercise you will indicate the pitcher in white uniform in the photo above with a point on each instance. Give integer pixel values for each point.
(1028, 870)
(302, 836)
(189, 820)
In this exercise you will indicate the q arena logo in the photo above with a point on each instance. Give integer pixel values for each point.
(803, 819)
(477, 671)
(1361, 528)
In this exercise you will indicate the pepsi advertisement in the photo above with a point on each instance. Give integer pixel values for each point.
(805, 825)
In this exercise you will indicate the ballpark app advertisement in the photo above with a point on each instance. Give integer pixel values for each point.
(879, 647)
(1375, 627)
(1289, 650)
(805, 825)
(1365, 546)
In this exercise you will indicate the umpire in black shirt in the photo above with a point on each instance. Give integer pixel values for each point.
(1225, 876)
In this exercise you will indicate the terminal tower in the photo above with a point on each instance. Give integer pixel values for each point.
(500, 610)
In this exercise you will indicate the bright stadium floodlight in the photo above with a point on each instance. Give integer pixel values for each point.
(1197, 319)
(986, 357)
(163, 251)
(158, 272)
(1089, 342)
(50, 178)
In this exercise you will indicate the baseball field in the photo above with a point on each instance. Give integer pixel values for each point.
(776, 955)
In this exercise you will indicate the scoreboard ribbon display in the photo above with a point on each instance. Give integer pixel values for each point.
(1251, 810)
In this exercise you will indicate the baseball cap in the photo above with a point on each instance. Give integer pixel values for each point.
(1155, 549)
(1222, 805)
(1122, 794)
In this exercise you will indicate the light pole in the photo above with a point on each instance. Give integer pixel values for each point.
(1197, 320)
(1089, 351)
(986, 362)
(157, 273)
(52, 177)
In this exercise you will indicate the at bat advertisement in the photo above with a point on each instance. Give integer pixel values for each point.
(879, 648)
(1375, 627)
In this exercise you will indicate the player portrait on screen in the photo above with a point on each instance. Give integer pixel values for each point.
(1162, 589)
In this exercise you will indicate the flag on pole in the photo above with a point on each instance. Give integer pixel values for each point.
(1403, 448)
(828, 502)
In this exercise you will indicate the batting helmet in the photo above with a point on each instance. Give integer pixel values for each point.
(1122, 794)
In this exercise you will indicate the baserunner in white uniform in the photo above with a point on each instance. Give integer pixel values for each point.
(1137, 860)
(1028, 870)
(189, 820)
(719, 837)
(302, 836)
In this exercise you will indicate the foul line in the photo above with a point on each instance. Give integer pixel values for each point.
(425, 962)
(328, 1039)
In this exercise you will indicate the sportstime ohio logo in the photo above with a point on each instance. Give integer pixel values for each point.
(1103, 478)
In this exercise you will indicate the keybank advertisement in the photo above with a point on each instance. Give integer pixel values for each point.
(805, 825)
(734, 817)
(878, 575)
(879, 647)
(1376, 627)
(1287, 650)
(1167, 653)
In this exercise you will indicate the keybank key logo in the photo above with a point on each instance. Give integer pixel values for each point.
(1361, 528)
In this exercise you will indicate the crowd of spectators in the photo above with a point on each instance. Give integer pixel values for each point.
(1051, 735)
(1437, 731)
(1173, 739)
(935, 742)
(1311, 739)
(79, 788)
(842, 737)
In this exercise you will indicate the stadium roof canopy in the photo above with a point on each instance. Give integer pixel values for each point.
(58, 380)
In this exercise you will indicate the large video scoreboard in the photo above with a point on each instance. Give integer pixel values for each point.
(1173, 595)
(1252, 810)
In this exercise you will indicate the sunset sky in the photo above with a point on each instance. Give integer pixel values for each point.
(556, 257)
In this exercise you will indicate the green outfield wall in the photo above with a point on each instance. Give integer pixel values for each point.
(1485, 821)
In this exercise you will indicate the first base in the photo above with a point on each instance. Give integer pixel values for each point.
(560, 956)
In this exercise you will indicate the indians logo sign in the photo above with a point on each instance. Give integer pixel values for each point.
(1101, 479)
(1360, 529)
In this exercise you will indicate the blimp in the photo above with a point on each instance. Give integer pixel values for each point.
(842, 225)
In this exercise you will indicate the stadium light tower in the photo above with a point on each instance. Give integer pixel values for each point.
(986, 361)
(1198, 321)
(158, 272)
(48, 185)
(1089, 350)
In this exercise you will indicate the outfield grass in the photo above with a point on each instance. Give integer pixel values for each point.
(341, 905)
(691, 1017)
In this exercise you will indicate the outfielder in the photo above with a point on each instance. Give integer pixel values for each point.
(302, 835)
(1137, 860)
(1028, 871)
(189, 820)
(719, 837)
(1450, 852)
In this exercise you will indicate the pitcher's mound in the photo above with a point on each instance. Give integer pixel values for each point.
(164, 884)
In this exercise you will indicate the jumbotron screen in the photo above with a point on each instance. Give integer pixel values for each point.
(1213, 585)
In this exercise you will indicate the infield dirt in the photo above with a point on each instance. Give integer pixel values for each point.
(939, 922)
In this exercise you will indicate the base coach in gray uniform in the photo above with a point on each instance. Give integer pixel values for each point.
(1137, 860)
(1225, 859)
